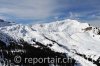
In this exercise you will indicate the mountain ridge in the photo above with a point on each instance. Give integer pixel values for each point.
(67, 36)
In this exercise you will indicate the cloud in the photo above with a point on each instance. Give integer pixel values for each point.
(29, 8)
(49, 9)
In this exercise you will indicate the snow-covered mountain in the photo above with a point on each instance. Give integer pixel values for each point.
(5, 23)
(78, 40)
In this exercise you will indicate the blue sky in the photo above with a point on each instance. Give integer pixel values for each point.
(39, 11)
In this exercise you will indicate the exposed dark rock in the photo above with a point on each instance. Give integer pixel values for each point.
(1, 20)
(97, 62)
(88, 28)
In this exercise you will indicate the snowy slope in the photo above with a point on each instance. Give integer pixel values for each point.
(68, 36)
(3, 36)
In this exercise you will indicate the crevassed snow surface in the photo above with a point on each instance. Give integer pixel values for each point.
(69, 34)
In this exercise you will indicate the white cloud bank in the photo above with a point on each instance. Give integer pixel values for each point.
(29, 8)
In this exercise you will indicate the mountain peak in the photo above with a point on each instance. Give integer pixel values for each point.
(1, 20)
